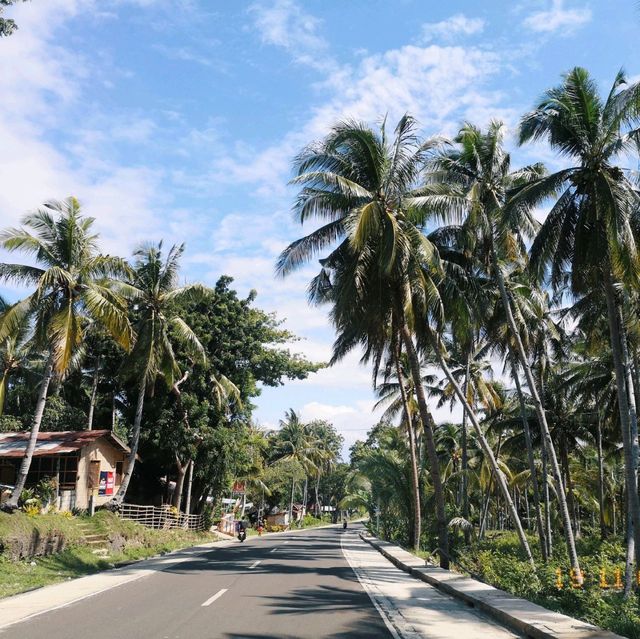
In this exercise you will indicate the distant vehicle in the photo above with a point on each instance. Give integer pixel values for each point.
(242, 530)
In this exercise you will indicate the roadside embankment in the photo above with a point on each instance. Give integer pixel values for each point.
(44, 549)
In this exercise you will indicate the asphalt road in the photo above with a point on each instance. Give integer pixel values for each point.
(283, 586)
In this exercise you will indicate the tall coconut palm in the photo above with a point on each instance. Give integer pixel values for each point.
(74, 286)
(589, 231)
(156, 296)
(378, 279)
(479, 168)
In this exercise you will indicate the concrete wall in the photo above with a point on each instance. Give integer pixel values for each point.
(107, 454)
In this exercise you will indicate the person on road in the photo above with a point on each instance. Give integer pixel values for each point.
(260, 526)
(242, 530)
(344, 524)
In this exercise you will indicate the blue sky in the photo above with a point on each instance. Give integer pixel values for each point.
(178, 119)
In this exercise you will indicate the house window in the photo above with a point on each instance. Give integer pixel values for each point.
(7, 474)
(66, 465)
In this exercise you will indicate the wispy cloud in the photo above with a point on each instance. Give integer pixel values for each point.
(451, 28)
(558, 18)
(184, 54)
(285, 24)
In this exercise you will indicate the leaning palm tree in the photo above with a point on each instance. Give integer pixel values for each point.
(378, 275)
(479, 168)
(73, 286)
(156, 295)
(590, 230)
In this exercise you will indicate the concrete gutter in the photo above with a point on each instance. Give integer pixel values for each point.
(518, 614)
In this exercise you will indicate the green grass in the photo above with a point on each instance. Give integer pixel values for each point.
(76, 560)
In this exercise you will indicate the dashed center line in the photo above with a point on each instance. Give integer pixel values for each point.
(254, 564)
(274, 550)
(211, 599)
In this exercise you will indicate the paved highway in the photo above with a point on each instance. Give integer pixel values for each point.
(281, 586)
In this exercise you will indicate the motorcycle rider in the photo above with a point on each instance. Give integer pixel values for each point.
(242, 530)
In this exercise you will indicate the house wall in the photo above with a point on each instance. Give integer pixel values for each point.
(104, 452)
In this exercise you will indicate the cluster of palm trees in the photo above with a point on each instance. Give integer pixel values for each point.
(432, 257)
(78, 294)
(314, 446)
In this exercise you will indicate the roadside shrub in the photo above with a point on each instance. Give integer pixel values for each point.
(309, 520)
(276, 528)
(499, 561)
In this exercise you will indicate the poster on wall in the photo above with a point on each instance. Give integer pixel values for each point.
(107, 482)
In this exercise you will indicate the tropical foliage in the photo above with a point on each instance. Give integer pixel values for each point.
(101, 342)
(434, 263)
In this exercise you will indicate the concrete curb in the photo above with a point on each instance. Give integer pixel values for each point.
(518, 614)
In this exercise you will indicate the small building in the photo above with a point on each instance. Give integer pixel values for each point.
(277, 517)
(84, 463)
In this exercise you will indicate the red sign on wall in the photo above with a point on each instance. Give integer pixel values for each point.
(238, 487)
(107, 482)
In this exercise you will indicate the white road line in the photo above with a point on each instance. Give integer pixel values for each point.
(285, 542)
(218, 594)
(274, 550)
(254, 564)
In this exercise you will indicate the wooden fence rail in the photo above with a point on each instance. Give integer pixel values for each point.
(164, 517)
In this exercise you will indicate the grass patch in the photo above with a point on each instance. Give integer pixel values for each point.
(132, 541)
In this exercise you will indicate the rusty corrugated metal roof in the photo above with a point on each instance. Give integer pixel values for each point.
(55, 443)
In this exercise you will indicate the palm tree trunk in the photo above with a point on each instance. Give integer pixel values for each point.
(626, 405)
(603, 527)
(317, 489)
(3, 389)
(542, 419)
(12, 502)
(94, 394)
(629, 577)
(532, 466)
(177, 493)
(293, 483)
(187, 505)
(486, 449)
(133, 445)
(571, 502)
(434, 463)
(547, 502)
(304, 494)
(464, 481)
(415, 479)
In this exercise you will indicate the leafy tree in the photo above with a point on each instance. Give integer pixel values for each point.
(74, 285)
(7, 25)
(154, 290)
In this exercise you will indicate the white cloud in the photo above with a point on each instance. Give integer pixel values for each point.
(285, 24)
(451, 28)
(440, 85)
(41, 81)
(558, 18)
(184, 54)
(352, 421)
